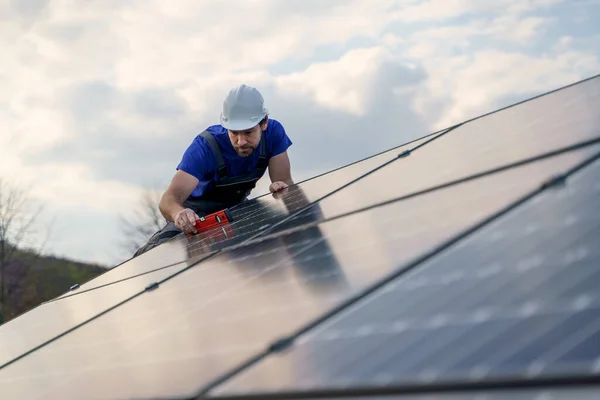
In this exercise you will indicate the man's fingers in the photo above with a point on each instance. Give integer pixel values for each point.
(190, 221)
(277, 186)
(190, 218)
(186, 221)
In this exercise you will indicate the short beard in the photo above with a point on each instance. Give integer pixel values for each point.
(251, 151)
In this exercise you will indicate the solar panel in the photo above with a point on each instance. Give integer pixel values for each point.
(515, 300)
(200, 324)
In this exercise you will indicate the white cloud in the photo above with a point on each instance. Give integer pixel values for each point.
(341, 84)
(472, 85)
(166, 43)
(75, 185)
(466, 79)
(436, 10)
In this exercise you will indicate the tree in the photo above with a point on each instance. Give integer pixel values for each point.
(145, 220)
(16, 235)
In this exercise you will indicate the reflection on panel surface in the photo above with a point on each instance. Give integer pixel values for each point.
(53, 318)
(519, 298)
(205, 321)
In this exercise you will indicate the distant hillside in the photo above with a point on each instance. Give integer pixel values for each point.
(31, 280)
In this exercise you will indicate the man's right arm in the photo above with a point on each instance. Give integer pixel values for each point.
(171, 202)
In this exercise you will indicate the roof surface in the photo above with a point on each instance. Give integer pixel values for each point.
(462, 264)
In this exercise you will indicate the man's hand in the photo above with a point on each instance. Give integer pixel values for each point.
(278, 188)
(186, 220)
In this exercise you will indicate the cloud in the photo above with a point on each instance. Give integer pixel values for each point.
(441, 10)
(490, 60)
(27, 11)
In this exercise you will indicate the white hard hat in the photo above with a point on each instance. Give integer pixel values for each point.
(243, 108)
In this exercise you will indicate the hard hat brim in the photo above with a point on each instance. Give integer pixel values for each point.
(240, 125)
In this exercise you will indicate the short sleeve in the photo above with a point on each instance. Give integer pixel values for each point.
(278, 140)
(197, 160)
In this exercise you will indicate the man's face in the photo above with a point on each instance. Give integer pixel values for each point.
(246, 141)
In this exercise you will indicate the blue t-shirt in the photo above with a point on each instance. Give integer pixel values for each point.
(198, 159)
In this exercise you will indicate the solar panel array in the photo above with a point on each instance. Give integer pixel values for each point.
(463, 265)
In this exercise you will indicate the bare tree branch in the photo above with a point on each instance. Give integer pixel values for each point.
(17, 222)
(145, 220)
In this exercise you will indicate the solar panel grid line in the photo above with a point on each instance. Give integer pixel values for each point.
(338, 310)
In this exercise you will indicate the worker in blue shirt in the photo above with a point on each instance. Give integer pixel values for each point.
(223, 163)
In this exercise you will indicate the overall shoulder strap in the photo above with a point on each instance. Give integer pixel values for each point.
(221, 169)
(262, 158)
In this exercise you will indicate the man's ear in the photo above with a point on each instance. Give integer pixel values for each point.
(264, 125)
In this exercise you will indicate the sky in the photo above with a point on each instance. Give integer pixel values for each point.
(100, 98)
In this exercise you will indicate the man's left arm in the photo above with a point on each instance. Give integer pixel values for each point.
(280, 172)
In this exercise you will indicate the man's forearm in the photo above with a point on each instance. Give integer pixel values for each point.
(169, 206)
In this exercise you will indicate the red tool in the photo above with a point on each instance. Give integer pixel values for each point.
(211, 220)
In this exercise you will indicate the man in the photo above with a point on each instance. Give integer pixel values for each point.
(222, 164)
